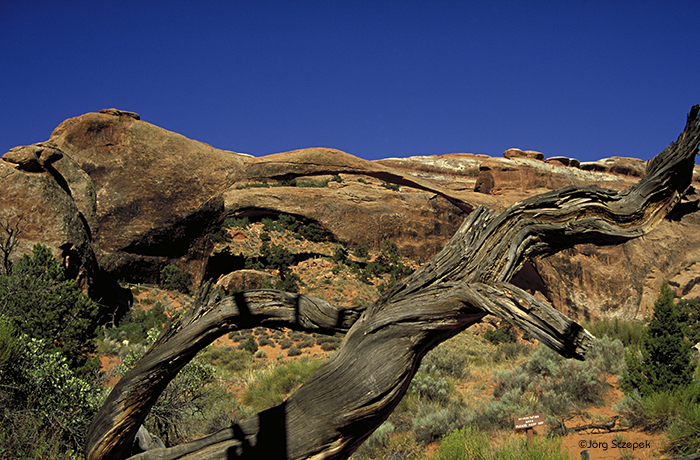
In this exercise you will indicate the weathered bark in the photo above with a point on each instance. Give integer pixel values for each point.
(350, 395)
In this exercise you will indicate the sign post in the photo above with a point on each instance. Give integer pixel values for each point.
(528, 422)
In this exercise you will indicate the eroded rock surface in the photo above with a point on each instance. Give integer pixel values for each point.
(110, 191)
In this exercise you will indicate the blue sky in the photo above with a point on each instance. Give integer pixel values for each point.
(586, 79)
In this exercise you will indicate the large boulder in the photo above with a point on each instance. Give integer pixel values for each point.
(155, 192)
(37, 208)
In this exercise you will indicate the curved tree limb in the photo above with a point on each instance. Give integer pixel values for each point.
(350, 395)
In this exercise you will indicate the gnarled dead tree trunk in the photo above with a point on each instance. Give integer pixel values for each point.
(350, 395)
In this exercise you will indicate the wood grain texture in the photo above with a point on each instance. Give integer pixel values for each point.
(351, 394)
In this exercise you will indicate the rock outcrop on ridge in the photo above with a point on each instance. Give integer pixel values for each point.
(111, 193)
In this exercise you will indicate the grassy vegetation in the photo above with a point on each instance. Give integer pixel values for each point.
(465, 393)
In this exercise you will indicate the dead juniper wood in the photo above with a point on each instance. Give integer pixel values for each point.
(351, 394)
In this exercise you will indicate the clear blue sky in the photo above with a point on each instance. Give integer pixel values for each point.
(586, 79)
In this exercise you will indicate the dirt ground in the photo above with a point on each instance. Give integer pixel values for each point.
(601, 445)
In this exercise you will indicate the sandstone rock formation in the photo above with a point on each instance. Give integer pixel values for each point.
(112, 192)
(37, 203)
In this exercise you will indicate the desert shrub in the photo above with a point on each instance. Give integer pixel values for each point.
(273, 387)
(361, 251)
(236, 222)
(377, 442)
(192, 392)
(631, 409)
(313, 232)
(509, 351)
(293, 351)
(607, 354)
(547, 383)
(270, 225)
(250, 345)
(227, 359)
(307, 342)
(41, 302)
(285, 343)
(434, 422)
(447, 360)
(330, 346)
(45, 405)
(628, 332)
(504, 333)
(136, 323)
(173, 279)
(288, 282)
(431, 386)
(463, 444)
(276, 256)
(340, 255)
(297, 336)
(683, 436)
(288, 222)
(328, 343)
(264, 341)
(239, 336)
(320, 184)
(661, 411)
(393, 187)
(689, 314)
(260, 354)
(220, 235)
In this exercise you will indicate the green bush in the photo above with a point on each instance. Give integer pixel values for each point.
(134, 326)
(361, 251)
(45, 406)
(393, 187)
(227, 359)
(219, 235)
(429, 386)
(273, 387)
(689, 314)
(173, 279)
(313, 232)
(498, 335)
(236, 222)
(288, 222)
(510, 351)
(666, 357)
(293, 351)
(470, 443)
(176, 415)
(434, 422)
(684, 434)
(464, 444)
(250, 345)
(270, 225)
(378, 442)
(666, 410)
(43, 304)
(628, 332)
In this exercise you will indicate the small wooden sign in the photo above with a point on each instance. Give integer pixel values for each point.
(528, 422)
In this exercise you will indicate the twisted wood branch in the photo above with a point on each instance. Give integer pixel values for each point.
(350, 395)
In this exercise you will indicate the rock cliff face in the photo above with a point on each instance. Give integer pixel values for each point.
(110, 192)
